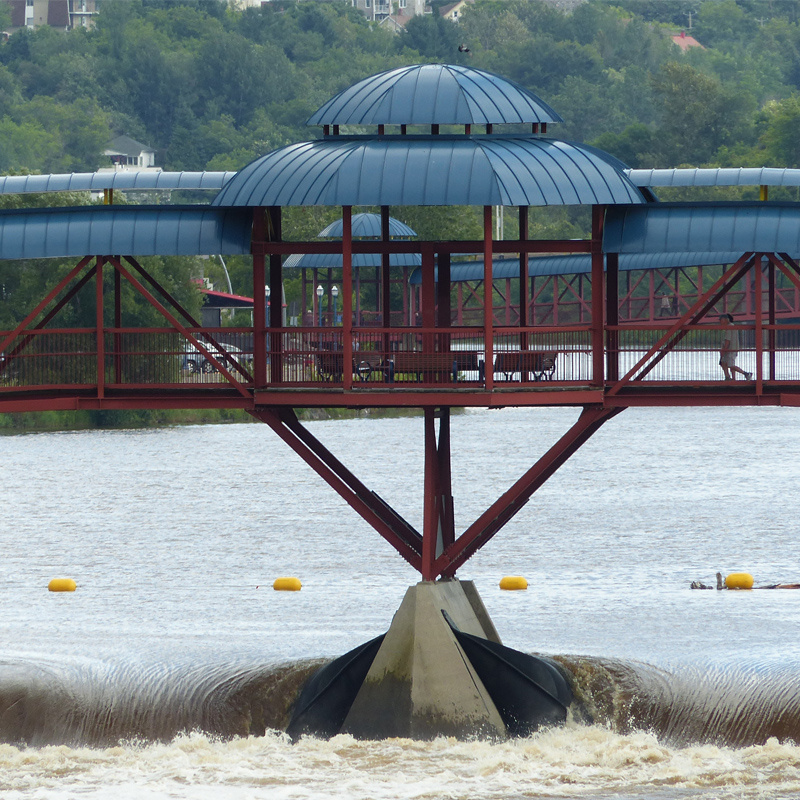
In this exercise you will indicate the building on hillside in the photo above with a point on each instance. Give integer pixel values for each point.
(395, 12)
(686, 42)
(127, 153)
(453, 11)
(64, 14)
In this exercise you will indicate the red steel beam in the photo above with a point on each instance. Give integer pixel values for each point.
(690, 317)
(44, 303)
(177, 325)
(510, 503)
(408, 246)
(355, 499)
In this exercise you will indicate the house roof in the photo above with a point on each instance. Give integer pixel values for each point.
(686, 42)
(126, 146)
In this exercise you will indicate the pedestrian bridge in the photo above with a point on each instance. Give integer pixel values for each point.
(738, 258)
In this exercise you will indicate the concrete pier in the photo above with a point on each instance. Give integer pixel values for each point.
(421, 685)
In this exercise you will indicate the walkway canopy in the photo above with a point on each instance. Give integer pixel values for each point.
(128, 230)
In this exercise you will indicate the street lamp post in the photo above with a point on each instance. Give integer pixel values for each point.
(335, 293)
(320, 291)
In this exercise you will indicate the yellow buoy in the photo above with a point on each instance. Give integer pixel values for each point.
(511, 582)
(287, 585)
(739, 580)
(62, 585)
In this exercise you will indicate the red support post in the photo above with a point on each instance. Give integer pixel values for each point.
(100, 329)
(759, 323)
(347, 294)
(488, 300)
(275, 320)
(431, 513)
(598, 297)
(612, 316)
(259, 299)
(523, 279)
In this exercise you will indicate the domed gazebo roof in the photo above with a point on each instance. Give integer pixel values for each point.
(434, 94)
(431, 169)
(365, 226)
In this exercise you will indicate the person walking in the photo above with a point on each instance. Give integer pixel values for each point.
(730, 349)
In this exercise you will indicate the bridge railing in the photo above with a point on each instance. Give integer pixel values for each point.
(400, 356)
(388, 357)
(130, 356)
(693, 354)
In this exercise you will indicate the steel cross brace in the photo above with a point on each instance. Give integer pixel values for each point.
(374, 510)
(677, 331)
(510, 503)
(437, 552)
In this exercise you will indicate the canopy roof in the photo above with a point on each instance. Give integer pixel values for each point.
(431, 171)
(367, 226)
(434, 94)
(128, 230)
(715, 227)
(542, 266)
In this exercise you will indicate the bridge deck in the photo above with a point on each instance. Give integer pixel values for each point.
(160, 367)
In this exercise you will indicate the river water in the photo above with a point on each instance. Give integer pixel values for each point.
(169, 671)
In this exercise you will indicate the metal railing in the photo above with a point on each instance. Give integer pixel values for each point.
(391, 357)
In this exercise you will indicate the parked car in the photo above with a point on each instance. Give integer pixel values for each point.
(194, 361)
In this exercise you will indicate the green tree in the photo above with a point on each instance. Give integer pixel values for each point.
(697, 115)
(781, 139)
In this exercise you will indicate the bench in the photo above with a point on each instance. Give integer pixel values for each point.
(423, 366)
(540, 363)
(330, 365)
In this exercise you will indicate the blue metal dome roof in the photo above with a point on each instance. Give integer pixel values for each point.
(434, 94)
(431, 171)
(367, 226)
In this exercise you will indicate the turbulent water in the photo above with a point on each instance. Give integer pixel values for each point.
(170, 672)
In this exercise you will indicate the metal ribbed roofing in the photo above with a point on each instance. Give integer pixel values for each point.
(334, 260)
(367, 226)
(431, 170)
(746, 176)
(128, 230)
(703, 227)
(434, 94)
(122, 179)
(541, 266)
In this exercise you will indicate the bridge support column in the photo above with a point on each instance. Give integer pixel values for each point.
(421, 685)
